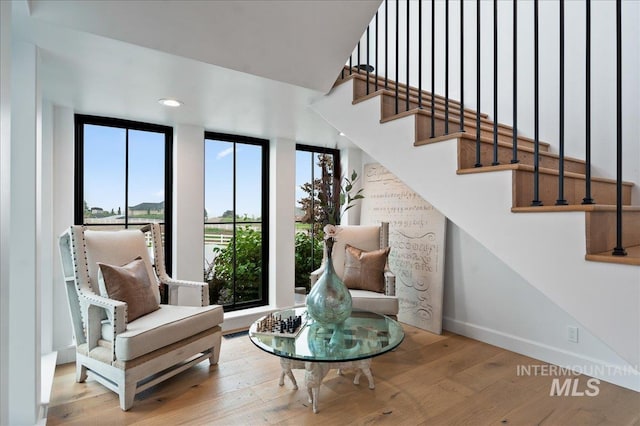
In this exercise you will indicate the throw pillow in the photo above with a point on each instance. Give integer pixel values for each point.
(130, 284)
(365, 270)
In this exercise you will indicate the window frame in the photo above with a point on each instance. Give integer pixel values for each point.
(80, 120)
(264, 223)
(314, 150)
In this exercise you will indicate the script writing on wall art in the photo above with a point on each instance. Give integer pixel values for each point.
(416, 237)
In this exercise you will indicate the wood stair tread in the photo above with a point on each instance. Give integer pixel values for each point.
(392, 84)
(506, 130)
(574, 208)
(470, 118)
(484, 139)
(542, 170)
(632, 257)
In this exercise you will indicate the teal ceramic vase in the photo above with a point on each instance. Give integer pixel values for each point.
(329, 301)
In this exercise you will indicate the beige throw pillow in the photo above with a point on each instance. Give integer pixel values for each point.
(365, 270)
(130, 284)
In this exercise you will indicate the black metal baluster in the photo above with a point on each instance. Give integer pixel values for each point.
(420, 54)
(495, 83)
(376, 47)
(587, 167)
(536, 107)
(397, 49)
(514, 159)
(351, 64)
(367, 92)
(478, 61)
(462, 65)
(619, 249)
(433, 68)
(386, 44)
(446, 67)
(561, 201)
(408, 54)
(358, 58)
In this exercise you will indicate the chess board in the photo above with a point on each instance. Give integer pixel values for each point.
(279, 326)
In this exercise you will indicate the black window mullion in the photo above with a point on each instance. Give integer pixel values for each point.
(126, 179)
(79, 171)
(235, 228)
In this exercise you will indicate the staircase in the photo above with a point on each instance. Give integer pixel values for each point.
(563, 251)
(600, 232)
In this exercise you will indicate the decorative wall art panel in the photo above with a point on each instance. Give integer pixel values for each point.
(417, 240)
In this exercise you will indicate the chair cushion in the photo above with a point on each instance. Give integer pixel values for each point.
(365, 237)
(128, 243)
(130, 284)
(165, 326)
(364, 270)
(374, 302)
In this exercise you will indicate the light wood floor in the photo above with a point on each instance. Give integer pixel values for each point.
(429, 379)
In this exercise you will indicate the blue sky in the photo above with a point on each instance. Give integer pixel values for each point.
(104, 163)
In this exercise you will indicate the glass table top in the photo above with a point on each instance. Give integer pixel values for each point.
(363, 335)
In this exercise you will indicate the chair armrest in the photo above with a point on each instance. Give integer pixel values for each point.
(173, 285)
(116, 312)
(390, 283)
(315, 275)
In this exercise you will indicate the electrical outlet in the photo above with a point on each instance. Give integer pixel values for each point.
(572, 334)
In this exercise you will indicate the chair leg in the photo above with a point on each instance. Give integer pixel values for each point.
(127, 394)
(215, 350)
(81, 372)
(215, 355)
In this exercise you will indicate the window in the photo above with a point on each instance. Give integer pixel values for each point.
(309, 160)
(123, 174)
(236, 220)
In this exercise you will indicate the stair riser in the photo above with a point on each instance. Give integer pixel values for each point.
(423, 131)
(601, 230)
(467, 157)
(574, 189)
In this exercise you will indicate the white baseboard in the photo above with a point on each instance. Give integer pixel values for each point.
(47, 372)
(622, 375)
(66, 355)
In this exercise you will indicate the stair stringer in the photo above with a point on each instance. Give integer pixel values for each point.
(547, 250)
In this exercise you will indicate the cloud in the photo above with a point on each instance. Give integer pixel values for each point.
(224, 153)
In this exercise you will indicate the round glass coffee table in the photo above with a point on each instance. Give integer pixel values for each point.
(301, 343)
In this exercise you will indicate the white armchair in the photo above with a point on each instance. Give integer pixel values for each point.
(368, 239)
(131, 356)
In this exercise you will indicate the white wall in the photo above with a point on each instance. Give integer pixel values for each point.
(282, 159)
(24, 292)
(62, 212)
(603, 133)
(188, 207)
(5, 201)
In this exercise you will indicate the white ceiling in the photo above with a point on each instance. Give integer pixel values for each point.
(117, 58)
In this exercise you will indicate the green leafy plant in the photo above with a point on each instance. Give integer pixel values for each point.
(308, 257)
(248, 268)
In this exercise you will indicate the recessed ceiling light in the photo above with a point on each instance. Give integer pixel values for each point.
(342, 134)
(170, 102)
